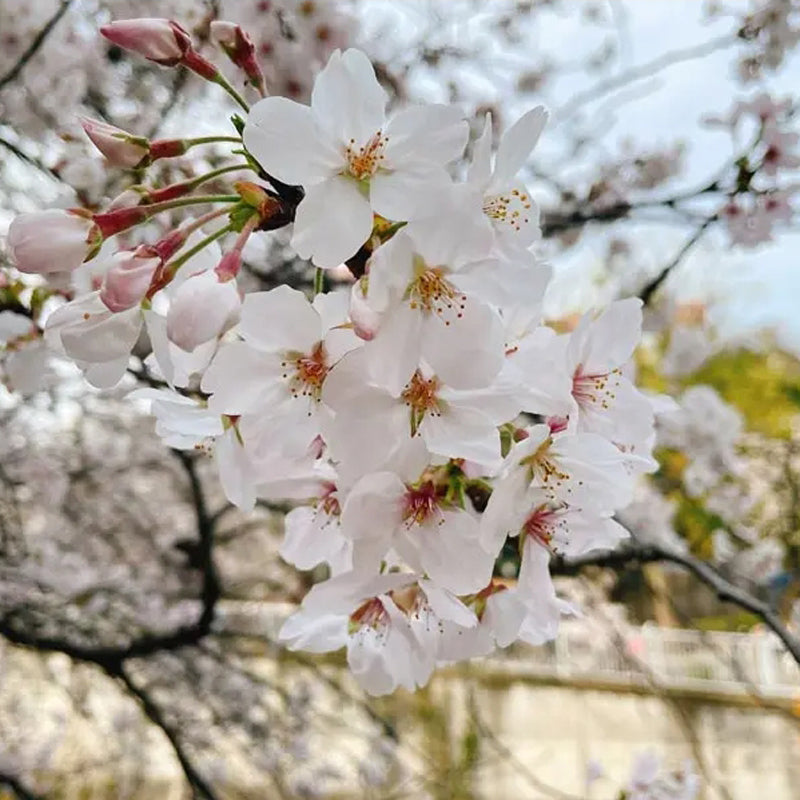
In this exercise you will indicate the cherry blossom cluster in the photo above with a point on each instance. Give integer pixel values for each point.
(761, 198)
(420, 421)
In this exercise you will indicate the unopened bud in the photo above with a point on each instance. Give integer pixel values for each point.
(202, 308)
(163, 41)
(239, 48)
(229, 266)
(126, 282)
(55, 240)
(121, 148)
(159, 40)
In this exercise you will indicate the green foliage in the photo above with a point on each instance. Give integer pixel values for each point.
(763, 386)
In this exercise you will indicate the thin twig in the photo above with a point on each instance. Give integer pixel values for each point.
(200, 787)
(34, 46)
(640, 72)
(650, 289)
(705, 573)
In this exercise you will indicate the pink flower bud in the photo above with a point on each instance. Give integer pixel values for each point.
(56, 240)
(159, 40)
(239, 48)
(122, 149)
(202, 308)
(129, 198)
(128, 279)
(229, 266)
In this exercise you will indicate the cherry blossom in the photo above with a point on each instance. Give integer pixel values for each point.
(347, 156)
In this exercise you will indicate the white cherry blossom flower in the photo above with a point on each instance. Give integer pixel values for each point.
(424, 528)
(350, 159)
(505, 201)
(605, 401)
(277, 371)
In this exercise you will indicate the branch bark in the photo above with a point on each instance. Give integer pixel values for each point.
(705, 573)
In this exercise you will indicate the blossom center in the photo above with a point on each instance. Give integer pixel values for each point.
(363, 162)
(431, 292)
(420, 397)
(543, 467)
(541, 525)
(370, 614)
(306, 372)
(593, 390)
(512, 208)
(420, 505)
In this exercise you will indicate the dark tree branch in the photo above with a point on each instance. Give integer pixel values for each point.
(200, 787)
(705, 573)
(652, 287)
(21, 791)
(112, 657)
(23, 156)
(34, 46)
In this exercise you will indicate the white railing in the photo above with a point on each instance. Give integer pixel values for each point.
(641, 656)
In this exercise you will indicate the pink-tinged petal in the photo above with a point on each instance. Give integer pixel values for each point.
(410, 193)
(54, 240)
(468, 353)
(436, 543)
(201, 309)
(108, 374)
(241, 380)
(391, 268)
(156, 326)
(284, 138)
(377, 496)
(504, 615)
(480, 169)
(446, 606)
(516, 145)
(393, 354)
(536, 590)
(347, 100)
(603, 342)
(425, 135)
(102, 337)
(315, 633)
(463, 433)
(234, 471)
(311, 537)
(332, 222)
(280, 320)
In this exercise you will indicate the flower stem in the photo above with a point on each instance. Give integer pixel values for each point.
(211, 140)
(194, 200)
(319, 281)
(173, 266)
(223, 82)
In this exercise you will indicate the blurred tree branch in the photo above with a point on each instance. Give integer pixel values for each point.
(726, 591)
(35, 45)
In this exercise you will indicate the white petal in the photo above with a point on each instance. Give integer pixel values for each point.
(424, 135)
(347, 100)
(280, 320)
(468, 353)
(393, 354)
(516, 145)
(603, 343)
(234, 471)
(409, 194)
(241, 380)
(284, 138)
(332, 222)
(480, 170)
(463, 433)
